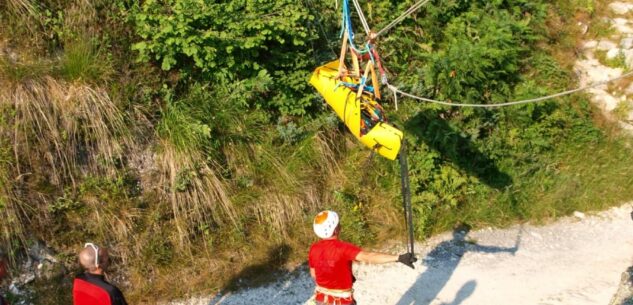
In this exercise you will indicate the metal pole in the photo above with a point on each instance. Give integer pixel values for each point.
(406, 193)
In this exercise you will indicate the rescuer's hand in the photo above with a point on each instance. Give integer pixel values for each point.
(407, 259)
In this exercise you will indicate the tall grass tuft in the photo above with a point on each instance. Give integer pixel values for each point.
(280, 212)
(12, 232)
(11, 226)
(70, 129)
(84, 56)
(12, 72)
(23, 8)
(22, 22)
(327, 152)
(197, 195)
(82, 60)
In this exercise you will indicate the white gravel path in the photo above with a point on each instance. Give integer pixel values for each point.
(576, 260)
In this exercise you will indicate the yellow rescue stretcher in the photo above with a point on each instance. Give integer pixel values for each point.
(379, 136)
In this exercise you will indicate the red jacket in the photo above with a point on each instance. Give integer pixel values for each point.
(92, 289)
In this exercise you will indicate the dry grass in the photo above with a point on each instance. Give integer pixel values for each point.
(11, 209)
(623, 110)
(198, 197)
(76, 31)
(83, 57)
(81, 17)
(113, 222)
(60, 134)
(22, 18)
(273, 192)
(22, 8)
(69, 129)
(279, 212)
(290, 187)
(327, 152)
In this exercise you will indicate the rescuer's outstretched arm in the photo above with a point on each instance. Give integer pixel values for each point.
(381, 258)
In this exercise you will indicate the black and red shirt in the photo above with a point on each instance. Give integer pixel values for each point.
(92, 289)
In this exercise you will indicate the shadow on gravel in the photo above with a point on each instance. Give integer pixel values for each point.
(442, 262)
(267, 282)
(262, 273)
(292, 288)
(464, 293)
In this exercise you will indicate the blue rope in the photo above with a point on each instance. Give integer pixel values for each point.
(346, 25)
(371, 55)
(354, 86)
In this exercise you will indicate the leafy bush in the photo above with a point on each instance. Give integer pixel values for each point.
(229, 41)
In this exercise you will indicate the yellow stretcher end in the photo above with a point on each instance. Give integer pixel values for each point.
(382, 137)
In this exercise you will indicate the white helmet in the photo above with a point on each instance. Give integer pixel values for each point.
(325, 223)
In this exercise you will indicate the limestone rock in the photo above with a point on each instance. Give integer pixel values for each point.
(47, 270)
(591, 71)
(606, 100)
(39, 252)
(613, 53)
(38, 264)
(584, 28)
(627, 127)
(622, 25)
(620, 8)
(626, 43)
(606, 45)
(591, 44)
(628, 56)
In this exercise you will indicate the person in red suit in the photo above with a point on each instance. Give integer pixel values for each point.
(330, 261)
(91, 287)
(3, 273)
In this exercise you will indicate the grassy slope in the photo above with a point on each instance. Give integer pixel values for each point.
(279, 186)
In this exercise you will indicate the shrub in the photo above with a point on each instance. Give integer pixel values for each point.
(230, 41)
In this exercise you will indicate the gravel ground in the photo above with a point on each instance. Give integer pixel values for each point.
(576, 260)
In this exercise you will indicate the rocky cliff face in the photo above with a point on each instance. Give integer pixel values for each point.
(608, 53)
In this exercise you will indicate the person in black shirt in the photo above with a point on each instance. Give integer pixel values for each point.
(91, 287)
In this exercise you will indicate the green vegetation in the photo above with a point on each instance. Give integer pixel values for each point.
(619, 61)
(228, 41)
(623, 110)
(601, 28)
(184, 134)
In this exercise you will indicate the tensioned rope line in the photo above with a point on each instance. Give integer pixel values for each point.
(395, 90)
(361, 16)
(404, 15)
